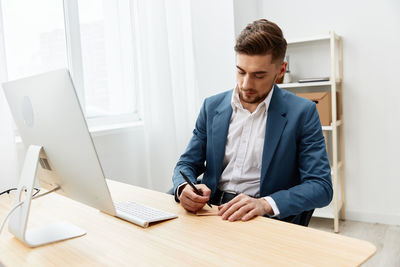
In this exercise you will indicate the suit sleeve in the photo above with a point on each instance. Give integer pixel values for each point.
(192, 161)
(315, 188)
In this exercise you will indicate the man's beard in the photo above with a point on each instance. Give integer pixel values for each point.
(252, 99)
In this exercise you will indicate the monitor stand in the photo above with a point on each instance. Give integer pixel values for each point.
(19, 219)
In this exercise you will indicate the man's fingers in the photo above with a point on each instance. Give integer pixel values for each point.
(237, 215)
(190, 208)
(189, 205)
(250, 215)
(197, 198)
(226, 206)
(191, 201)
(204, 189)
(242, 208)
(187, 200)
(191, 194)
(229, 204)
(236, 206)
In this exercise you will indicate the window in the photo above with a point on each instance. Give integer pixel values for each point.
(94, 39)
(107, 56)
(34, 37)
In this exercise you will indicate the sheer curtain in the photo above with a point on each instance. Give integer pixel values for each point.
(8, 155)
(167, 82)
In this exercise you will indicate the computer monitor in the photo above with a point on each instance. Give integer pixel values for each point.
(60, 151)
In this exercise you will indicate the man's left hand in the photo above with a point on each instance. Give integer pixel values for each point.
(244, 208)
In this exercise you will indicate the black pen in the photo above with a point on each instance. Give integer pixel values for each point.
(192, 185)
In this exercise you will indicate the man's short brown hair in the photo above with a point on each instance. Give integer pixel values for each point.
(262, 37)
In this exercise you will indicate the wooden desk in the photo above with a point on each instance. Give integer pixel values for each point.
(187, 240)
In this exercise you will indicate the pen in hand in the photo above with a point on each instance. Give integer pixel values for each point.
(194, 188)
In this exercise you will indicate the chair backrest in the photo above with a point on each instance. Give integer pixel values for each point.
(300, 219)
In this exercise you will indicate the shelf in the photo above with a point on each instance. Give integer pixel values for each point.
(311, 39)
(340, 165)
(309, 84)
(325, 212)
(330, 127)
(328, 211)
(335, 147)
(322, 37)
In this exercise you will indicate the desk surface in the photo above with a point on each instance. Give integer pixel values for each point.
(187, 240)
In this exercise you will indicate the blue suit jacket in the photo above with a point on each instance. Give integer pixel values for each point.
(295, 169)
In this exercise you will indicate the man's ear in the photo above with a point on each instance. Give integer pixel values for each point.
(282, 69)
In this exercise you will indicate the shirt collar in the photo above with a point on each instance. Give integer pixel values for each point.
(235, 101)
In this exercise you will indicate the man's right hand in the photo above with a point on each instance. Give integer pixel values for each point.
(190, 200)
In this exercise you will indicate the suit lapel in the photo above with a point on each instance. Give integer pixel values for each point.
(220, 126)
(276, 123)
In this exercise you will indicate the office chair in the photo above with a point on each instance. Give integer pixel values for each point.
(170, 191)
(300, 219)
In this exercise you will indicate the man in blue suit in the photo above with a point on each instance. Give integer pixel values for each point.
(260, 148)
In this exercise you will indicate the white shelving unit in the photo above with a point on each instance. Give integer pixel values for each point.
(333, 132)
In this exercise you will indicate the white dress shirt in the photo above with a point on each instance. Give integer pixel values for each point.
(244, 148)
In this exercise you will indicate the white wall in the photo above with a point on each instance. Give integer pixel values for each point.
(213, 41)
(371, 42)
(123, 156)
(245, 12)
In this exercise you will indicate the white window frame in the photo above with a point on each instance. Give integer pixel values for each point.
(73, 44)
(75, 64)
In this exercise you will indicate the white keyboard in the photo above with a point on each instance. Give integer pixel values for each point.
(140, 214)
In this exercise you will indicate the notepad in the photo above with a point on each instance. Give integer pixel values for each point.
(207, 211)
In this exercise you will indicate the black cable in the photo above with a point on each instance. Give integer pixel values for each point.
(37, 191)
(11, 189)
(8, 191)
(20, 203)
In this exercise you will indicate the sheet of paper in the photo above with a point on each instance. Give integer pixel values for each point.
(207, 211)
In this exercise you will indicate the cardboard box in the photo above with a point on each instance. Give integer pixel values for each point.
(323, 102)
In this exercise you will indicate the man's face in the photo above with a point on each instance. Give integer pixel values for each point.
(255, 76)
